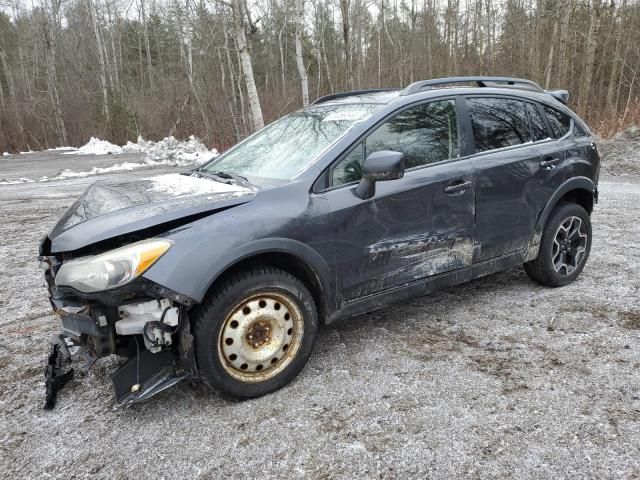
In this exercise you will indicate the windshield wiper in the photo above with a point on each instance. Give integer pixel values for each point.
(212, 176)
(223, 177)
(233, 176)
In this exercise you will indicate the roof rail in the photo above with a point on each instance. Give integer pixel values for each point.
(522, 83)
(333, 96)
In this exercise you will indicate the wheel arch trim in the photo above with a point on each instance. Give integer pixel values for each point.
(309, 257)
(575, 183)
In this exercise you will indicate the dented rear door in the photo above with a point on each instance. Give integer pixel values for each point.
(518, 169)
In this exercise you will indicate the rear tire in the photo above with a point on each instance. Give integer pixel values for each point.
(564, 247)
(255, 332)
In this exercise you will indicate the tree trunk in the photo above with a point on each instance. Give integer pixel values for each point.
(147, 46)
(283, 69)
(233, 78)
(50, 36)
(101, 61)
(11, 91)
(547, 82)
(615, 61)
(346, 37)
(590, 54)
(247, 66)
(326, 64)
(563, 61)
(187, 41)
(302, 71)
(230, 103)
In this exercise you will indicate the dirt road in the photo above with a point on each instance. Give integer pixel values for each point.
(498, 378)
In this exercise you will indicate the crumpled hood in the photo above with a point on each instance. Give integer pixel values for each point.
(107, 208)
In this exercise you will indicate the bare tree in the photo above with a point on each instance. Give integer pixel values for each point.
(219, 69)
(590, 54)
(147, 45)
(346, 38)
(101, 61)
(302, 71)
(50, 28)
(239, 19)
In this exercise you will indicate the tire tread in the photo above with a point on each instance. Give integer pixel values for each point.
(540, 269)
(200, 320)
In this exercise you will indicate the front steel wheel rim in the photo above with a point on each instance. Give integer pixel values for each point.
(260, 337)
(569, 245)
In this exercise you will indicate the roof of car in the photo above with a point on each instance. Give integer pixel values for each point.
(360, 96)
(460, 85)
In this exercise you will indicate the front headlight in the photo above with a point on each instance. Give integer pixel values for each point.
(111, 269)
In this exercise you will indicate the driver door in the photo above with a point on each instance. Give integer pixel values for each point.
(413, 227)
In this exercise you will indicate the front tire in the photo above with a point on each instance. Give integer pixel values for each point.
(564, 247)
(255, 332)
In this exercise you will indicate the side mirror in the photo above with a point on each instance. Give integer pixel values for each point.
(379, 166)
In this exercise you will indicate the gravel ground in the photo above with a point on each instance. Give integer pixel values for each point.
(495, 378)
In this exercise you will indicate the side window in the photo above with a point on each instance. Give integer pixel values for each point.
(349, 169)
(560, 123)
(536, 122)
(498, 123)
(426, 134)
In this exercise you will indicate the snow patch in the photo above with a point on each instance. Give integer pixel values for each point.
(168, 152)
(179, 185)
(118, 167)
(95, 146)
(15, 182)
(188, 152)
(181, 153)
(58, 149)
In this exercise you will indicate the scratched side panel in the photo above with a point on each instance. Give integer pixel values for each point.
(410, 230)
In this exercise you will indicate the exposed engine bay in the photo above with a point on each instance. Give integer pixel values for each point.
(142, 322)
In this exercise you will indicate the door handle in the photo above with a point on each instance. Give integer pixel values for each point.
(550, 163)
(457, 188)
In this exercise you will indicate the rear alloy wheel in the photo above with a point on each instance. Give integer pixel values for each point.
(569, 245)
(254, 332)
(564, 247)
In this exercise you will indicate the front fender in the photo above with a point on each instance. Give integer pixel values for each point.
(192, 280)
(300, 250)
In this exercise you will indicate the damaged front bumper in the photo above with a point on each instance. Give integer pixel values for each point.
(144, 322)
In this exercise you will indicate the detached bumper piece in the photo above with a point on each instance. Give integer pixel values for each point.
(55, 376)
(156, 361)
(146, 375)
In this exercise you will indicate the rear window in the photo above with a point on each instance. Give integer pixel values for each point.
(498, 123)
(536, 122)
(578, 131)
(560, 122)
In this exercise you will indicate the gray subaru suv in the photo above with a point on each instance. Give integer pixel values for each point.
(364, 198)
